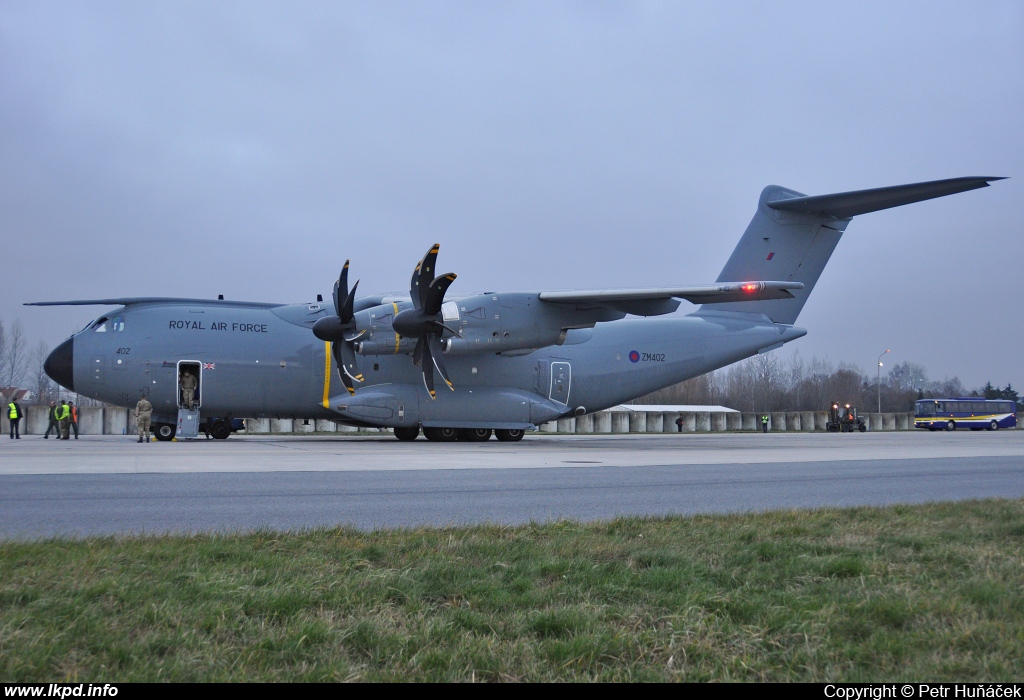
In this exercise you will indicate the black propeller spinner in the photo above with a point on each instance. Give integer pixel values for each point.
(340, 331)
(425, 322)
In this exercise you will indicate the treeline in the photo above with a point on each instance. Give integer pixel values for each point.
(21, 363)
(769, 383)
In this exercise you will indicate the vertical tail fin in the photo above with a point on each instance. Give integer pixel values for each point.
(792, 236)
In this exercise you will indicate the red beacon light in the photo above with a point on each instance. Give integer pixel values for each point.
(749, 288)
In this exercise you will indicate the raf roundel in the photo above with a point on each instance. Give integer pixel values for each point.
(634, 356)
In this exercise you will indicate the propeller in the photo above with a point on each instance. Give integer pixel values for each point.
(340, 331)
(424, 321)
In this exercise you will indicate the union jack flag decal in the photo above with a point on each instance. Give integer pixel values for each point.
(209, 365)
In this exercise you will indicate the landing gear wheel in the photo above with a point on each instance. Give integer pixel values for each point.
(950, 425)
(511, 435)
(993, 426)
(441, 434)
(407, 434)
(165, 431)
(475, 434)
(221, 430)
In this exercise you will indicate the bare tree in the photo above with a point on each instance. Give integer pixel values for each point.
(797, 375)
(15, 355)
(42, 385)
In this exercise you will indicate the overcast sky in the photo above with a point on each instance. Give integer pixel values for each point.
(248, 149)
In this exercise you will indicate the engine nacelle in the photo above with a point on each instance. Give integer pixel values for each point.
(487, 323)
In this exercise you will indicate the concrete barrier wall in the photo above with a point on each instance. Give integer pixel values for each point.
(718, 422)
(37, 420)
(257, 426)
(637, 423)
(689, 421)
(90, 420)
(115, 421)
(668, 424)
(794, 421)
(620, 422)
(120, 421)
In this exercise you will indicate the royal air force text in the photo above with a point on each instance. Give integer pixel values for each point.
(219, 326)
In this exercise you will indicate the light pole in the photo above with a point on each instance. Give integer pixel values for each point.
(878, 379)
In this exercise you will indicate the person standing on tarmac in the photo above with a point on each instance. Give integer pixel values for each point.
(54, 422)
(764, 422)
(74, 417)
(143, 412)
(14, 415)
(64, 416)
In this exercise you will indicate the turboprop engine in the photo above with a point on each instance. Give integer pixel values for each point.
(428, 327)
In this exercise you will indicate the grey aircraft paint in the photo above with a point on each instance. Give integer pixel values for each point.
(514, 360)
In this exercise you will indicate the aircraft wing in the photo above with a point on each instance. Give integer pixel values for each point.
(128, 301)
(653, 301)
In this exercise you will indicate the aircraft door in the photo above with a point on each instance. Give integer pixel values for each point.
(190, 384)
(561, 377)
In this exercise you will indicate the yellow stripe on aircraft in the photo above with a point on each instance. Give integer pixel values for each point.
(327, 372)
(398, 338)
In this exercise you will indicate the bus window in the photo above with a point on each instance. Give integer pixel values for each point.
(925, 408)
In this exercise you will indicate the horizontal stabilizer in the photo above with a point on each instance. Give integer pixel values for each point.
(661, 300)
(847, 204)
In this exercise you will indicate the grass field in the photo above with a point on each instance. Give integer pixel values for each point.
(930, 592)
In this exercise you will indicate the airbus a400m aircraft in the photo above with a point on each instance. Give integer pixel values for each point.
(464, 366)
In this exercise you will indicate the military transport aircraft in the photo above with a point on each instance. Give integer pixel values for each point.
(506, 362)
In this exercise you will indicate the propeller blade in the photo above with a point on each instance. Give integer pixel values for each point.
(357, 336)
(436, 355)
(417, 353)
(438, 324)
(434, 297)
(428, 369)
(341, 289)
(426, 274)
(348, 310)
(349, 365)
(336, 351)
(414, 285)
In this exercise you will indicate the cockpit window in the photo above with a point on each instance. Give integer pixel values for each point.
(104, 324)
(101, 325)
(117, 323)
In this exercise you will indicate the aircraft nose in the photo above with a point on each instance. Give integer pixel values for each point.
(60, 365)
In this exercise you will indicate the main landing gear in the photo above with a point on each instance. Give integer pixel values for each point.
(460, 434)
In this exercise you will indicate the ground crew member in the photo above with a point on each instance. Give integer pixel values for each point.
(143, 412)
(64, 416)
(54, 424)
(679, 423)
(14, 414)
(188, 389)
(74, 417)
(764, 422)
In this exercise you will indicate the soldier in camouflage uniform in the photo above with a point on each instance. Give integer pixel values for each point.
(143, 412)
(188, 389)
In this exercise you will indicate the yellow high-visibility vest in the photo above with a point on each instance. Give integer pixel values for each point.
(12, 411)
